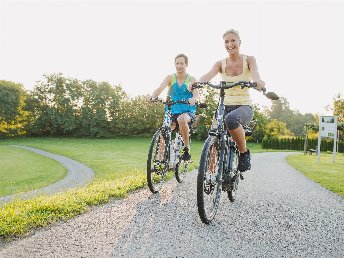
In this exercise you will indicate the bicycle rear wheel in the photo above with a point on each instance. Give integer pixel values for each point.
(181, 170)
(209, 186)
(157, 162)
(234, 173)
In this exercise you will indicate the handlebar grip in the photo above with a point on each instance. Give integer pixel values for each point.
(196, 85)
(202, 105)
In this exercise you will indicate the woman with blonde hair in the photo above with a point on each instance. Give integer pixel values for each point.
(238, 107)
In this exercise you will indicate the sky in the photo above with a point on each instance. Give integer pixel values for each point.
(298, 45)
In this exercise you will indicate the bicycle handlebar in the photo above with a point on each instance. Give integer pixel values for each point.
(171, 103)
(228, 85)
(225, 85)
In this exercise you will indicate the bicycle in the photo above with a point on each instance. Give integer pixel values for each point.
(218, 169)
(165, 153)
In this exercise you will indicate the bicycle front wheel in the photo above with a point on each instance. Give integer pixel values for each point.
(209, 185)
(157, 162)
(234, 173)
(181, 166)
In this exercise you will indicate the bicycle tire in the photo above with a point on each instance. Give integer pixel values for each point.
(181, 167)
(209, 183)
(234, 172)
(181, 170)
(157, 167)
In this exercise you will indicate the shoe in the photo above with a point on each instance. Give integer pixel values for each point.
(244, 161)
(186, 154)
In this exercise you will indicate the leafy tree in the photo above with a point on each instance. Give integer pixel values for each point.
(262, 121)
(294, 120)
(11, 99)
(13, 116)
(209, 96)
(143, 117)
(56, 101)
(276, 129)
(338, 108)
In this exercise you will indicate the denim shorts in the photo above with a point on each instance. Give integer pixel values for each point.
(191, 115)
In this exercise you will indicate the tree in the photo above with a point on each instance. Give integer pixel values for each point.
(210, 97)
(277, 129)
(338, 108)
(294, 120)
(262, 121)
(13, 116)
(55, 102)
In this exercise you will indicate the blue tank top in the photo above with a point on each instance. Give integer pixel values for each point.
(180, 92)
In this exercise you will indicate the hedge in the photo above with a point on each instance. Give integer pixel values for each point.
(297, 143)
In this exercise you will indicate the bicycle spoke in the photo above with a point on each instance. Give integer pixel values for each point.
(157, 164)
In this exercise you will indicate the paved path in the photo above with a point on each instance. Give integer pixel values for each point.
(77, 175)
(278, 213)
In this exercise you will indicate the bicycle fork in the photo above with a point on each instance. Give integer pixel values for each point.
(175, 146)
(231, 172)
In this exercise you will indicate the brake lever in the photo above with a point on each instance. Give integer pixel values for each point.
(270, 95)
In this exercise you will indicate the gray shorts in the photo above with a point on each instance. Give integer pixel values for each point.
(237, 115)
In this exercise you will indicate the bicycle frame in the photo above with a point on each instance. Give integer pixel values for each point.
(174, 145)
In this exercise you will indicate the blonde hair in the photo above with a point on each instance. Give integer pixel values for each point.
(185, 57)
(235, 32)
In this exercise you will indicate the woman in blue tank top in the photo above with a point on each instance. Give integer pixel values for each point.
(178, 90)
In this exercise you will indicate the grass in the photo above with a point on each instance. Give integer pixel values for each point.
(105, 156)
(23, 170)
(119, 165)
(18, 217)
(328, 174)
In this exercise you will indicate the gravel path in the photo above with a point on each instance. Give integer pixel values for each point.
(77, 175)
(278, 213)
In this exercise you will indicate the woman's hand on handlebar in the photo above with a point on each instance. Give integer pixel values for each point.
(192, 101)
(260, 85)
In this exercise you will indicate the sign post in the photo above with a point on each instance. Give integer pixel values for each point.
(328, 129)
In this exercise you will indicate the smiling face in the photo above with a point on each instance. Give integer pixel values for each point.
(232, 43)
(180, 64)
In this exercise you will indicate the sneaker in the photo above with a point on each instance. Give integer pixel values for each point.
(244, 161)
(186, 154)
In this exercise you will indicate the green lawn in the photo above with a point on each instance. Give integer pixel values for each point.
(23, 170)
(328, 174)
(120, 167)
(107, 157)
(104, 156)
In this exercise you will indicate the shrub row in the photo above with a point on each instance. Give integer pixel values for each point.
(297, 143)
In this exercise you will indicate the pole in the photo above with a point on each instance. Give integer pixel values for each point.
(335, 140)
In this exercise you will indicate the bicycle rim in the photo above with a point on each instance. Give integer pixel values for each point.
(157, 162)
(208, 183)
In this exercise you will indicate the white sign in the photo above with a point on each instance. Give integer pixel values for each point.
(328, 129)
(328, 126)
